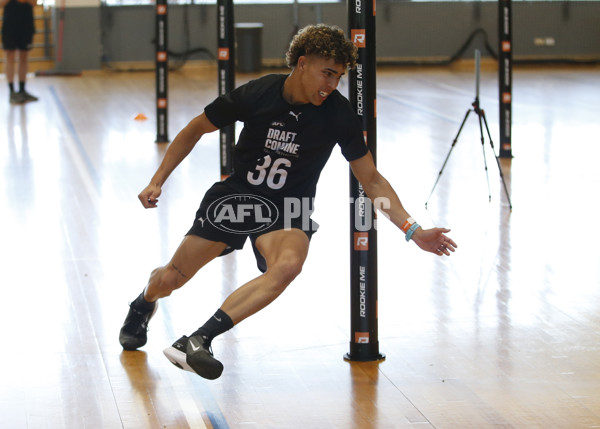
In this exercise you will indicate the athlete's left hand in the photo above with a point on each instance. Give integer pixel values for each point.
(434, 240)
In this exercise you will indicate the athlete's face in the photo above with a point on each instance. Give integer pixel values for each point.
(320, 77)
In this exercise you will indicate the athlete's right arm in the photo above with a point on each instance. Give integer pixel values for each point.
(181, 146)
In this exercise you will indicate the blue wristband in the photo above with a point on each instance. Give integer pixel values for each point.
(411, 231)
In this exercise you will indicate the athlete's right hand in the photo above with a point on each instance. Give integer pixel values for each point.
(149, 196)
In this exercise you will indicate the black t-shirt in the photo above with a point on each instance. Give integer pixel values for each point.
(283, 148)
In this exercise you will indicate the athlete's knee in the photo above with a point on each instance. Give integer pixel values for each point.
(286, 269)
(167, 279)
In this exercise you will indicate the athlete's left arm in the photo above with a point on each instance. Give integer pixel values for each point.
(385, 199)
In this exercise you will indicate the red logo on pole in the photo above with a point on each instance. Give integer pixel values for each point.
(223, 54)
(506, 97)
(161, 103)
(361, 337)
(161, 9)
(505, 46)
(161, 56)
(359, 38)
(361, 241)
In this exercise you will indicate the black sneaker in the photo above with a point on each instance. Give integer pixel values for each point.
(16, 98)
(26, 97)
(192, 354)
(133, 332)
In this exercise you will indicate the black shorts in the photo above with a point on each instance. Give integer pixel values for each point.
(230, 215)
(17, 41)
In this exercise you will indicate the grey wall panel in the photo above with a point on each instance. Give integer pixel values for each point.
(406, 31)
(128, 33)
(80, 47)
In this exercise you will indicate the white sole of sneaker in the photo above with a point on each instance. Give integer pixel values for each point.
(177, 358)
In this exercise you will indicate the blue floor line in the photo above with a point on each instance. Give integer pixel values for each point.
(80, 148)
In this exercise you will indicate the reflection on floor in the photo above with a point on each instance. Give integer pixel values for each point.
(505, 333)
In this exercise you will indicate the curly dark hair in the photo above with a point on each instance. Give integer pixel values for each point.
(326, 41)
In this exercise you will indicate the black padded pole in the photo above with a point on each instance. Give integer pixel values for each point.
(364, 342)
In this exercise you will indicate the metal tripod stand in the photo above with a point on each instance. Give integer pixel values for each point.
(482, 121)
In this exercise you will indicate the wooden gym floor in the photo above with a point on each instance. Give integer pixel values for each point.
(504, 333)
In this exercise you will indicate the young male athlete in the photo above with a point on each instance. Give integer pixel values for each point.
(291, 125)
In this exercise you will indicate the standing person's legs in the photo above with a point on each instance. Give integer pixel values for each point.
(9, 66)
(193, 253)
(23, 69)
(285, 252)
(9, 70)
(23, 65)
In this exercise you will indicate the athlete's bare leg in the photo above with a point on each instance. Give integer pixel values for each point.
(192, 254)
(285, 252)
